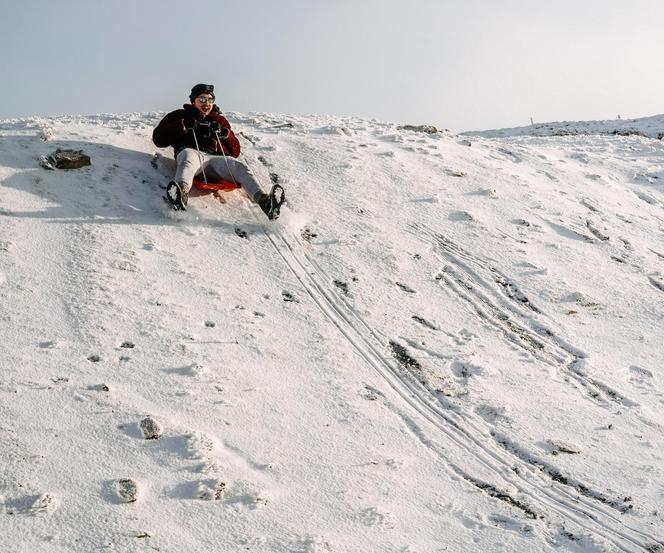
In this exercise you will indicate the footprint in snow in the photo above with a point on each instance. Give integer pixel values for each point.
(589, 204)
(341, 285)
(372, 516)
(581, 300)
(50, 344)
(509, 154)
(246, 495)
(556, 447)
(31, 505)
(657, 281)
(641, 377)
(463, 370)
(289, 297)
(491, 413)
(461, 217)
(510, 524)
(211, 489)
(370, 393)
(463, 337)
(425, 323)
(593, 228)
(405, 288)
(310, 544)
(307, 234)
(194, 369)
(126, 490)
(647, 198)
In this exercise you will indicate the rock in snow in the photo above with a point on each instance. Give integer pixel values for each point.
(65, 159)
(151, 429)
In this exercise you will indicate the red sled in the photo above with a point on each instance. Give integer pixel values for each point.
(215, 184)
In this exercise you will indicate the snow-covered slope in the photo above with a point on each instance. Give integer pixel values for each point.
(651, 127)
(445, 344)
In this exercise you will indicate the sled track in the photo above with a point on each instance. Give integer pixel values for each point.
(558, 504)
(507, 313)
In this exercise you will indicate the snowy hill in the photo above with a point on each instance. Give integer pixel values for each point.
(651, 127)
(446, 343)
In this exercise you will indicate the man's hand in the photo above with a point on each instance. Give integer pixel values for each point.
(221, 132)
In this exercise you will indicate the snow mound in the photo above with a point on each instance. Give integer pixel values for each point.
(444, 343)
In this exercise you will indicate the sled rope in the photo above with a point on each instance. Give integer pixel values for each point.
(216, 133)
(200, 157)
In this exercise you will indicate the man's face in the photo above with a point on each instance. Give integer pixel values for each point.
(204, 103)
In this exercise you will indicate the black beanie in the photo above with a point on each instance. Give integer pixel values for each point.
(201, 88)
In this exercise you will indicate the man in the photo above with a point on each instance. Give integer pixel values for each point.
(204, 143)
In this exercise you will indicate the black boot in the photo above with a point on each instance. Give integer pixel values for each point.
(177, 196)
(271, 203)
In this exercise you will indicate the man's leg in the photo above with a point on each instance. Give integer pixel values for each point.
(190, 163)
(230, 169)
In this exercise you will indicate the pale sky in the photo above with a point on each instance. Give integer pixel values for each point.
(457, 64)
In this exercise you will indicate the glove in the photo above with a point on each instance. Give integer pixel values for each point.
(217, 129)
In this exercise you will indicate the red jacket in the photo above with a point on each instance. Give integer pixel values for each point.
(172, 131)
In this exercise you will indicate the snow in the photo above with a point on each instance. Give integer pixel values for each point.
(446, 343)
(652, 127)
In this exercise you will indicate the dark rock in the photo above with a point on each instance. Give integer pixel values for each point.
(429, 129)
(65, 159)
(627, 132)
(151, 428)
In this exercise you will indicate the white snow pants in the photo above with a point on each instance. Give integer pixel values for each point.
(191, 163)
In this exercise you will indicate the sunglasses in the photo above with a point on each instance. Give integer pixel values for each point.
(205, 99)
